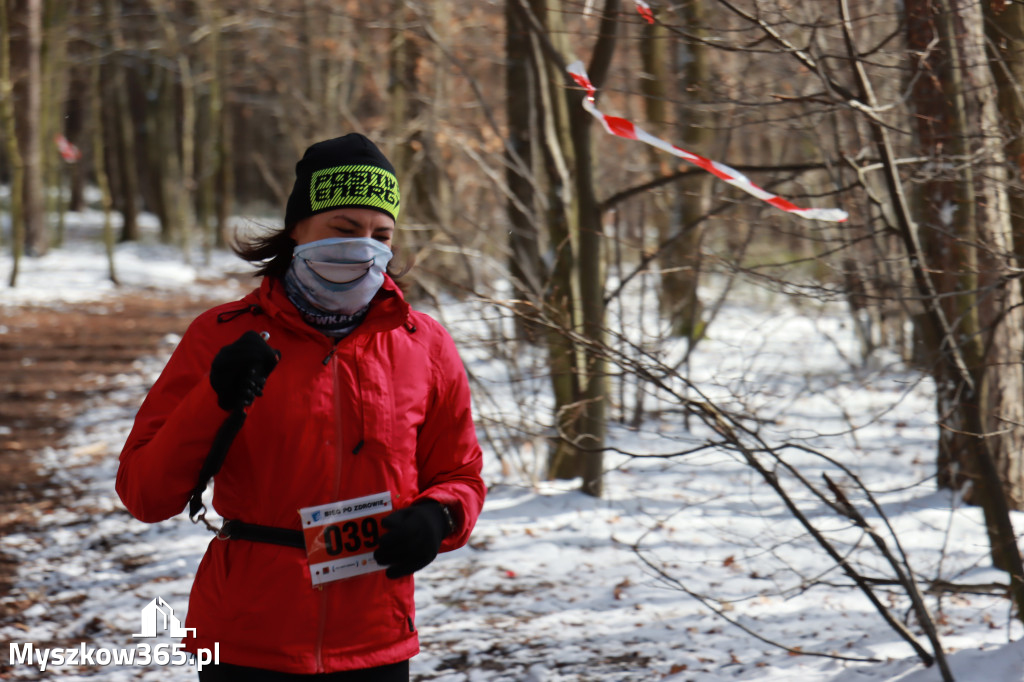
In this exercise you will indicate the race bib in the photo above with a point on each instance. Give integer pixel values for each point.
(341, 536)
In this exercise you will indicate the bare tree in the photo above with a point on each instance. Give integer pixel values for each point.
(7, 118)
(560, 296)
(525, 266)
(209, 124)
(956, 241)
(1004, 26)
(582, 423)
(968, 249)
(121, 122)
(54, 78)
(99, 165)
(28, 108)
(681, 262)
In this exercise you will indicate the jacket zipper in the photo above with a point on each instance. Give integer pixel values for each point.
(321, 627)
(332, 361)
(339, 434)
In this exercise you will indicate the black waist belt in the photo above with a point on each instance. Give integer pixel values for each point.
(240, 530)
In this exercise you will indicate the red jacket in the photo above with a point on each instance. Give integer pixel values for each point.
(386, 408)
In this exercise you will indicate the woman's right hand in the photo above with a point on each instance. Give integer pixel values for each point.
(240, 369)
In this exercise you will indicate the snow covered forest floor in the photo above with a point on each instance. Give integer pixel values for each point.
(555, 585)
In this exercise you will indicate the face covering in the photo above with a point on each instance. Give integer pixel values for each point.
(337, 276)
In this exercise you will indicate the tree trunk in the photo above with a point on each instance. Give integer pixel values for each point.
(655, 77)
(187, 191)
(226, 172)
(205, 171)
(102, 178)
(53, 94)
(123, 127)
(424, 191)
(14, 158)
(36, 236)
(165, 156)
(591, 270)
(431, 190)
(947, 197)
(593, 424)
(208, 128)
(158, 149)
(312, 29)
(225, 176)
(575, 361)
(74, 124)
(960, 210)
(338, 27)
(681, 263)
(968, 247)
(560, 298)
(1005, 30)
(524, 261)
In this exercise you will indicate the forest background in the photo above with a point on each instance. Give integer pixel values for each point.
(909, 117)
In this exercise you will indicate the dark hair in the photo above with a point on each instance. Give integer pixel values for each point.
(273, 250)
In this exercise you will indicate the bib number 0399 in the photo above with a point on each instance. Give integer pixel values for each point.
(341, 536)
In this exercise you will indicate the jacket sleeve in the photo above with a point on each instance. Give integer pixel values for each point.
(448, 454)
(173, 430)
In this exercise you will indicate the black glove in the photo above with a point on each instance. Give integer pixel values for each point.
(413, 536)
(240, 370)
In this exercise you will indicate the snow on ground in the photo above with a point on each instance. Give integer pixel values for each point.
(688, 568)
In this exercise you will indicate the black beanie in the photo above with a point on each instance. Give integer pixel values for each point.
(344, 172)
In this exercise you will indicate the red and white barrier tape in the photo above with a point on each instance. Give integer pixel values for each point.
(621, 127)
(645, 10)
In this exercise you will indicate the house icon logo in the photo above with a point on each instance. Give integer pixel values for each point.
(157, 616)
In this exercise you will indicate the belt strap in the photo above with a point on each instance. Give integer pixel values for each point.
(240, 530)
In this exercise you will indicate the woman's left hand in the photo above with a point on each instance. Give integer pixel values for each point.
(413, 537)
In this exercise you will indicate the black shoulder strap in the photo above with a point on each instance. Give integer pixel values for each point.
(215, 459)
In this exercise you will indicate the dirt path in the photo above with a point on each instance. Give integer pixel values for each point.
(51, 363)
